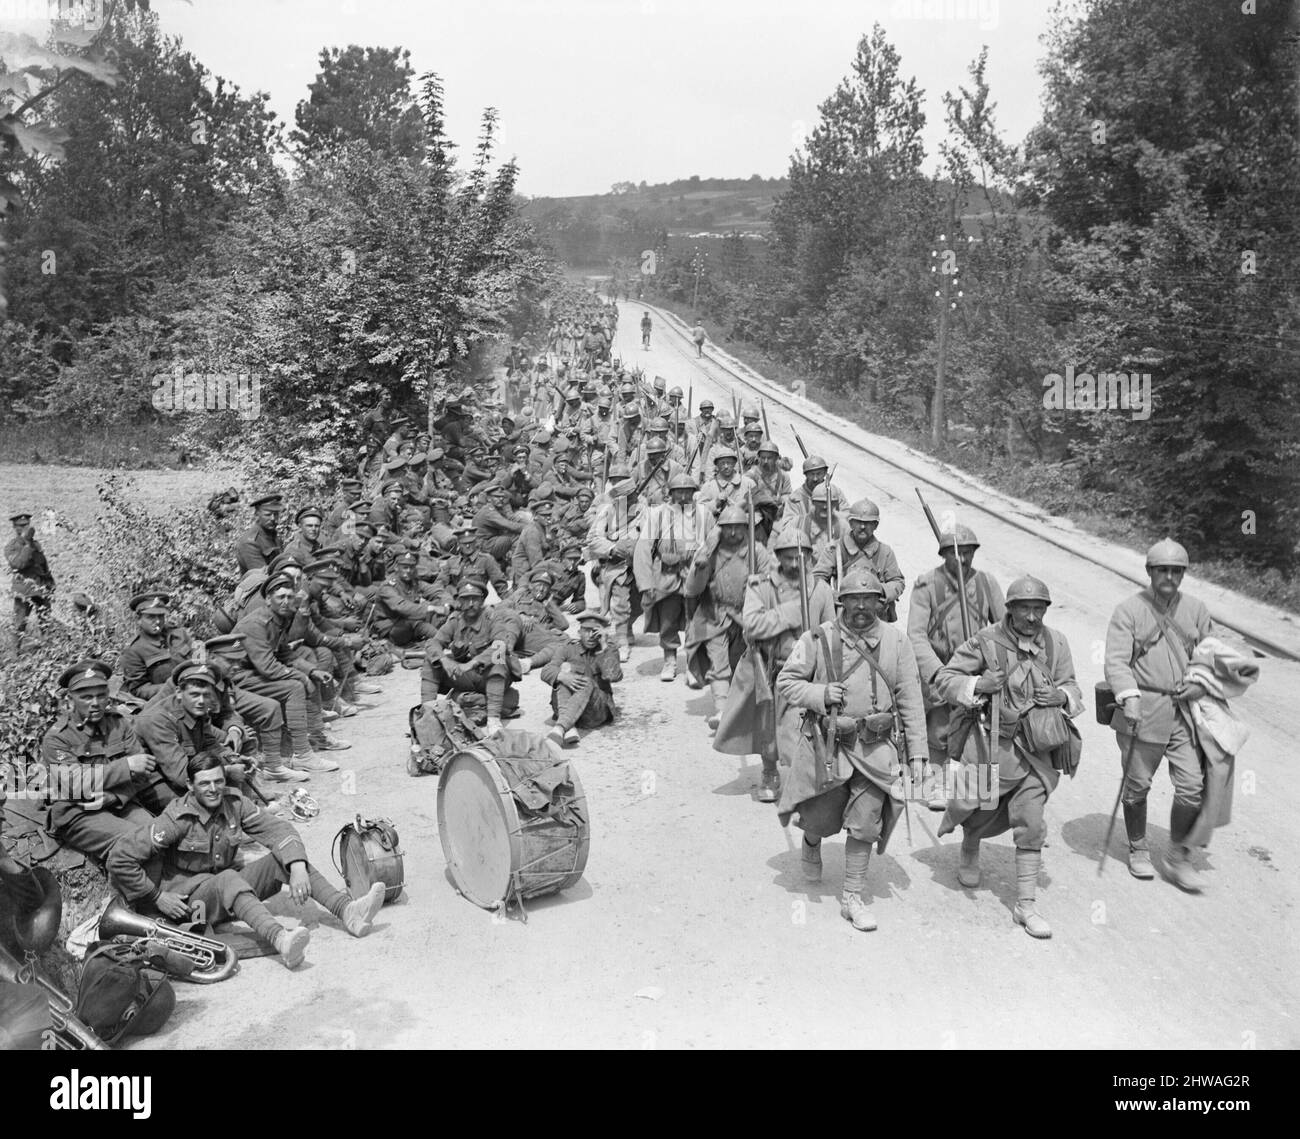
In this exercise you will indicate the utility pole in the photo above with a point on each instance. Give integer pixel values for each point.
(699, 268)
(943, 261)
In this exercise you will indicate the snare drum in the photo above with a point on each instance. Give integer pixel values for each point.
(366, 852)
(496, 854)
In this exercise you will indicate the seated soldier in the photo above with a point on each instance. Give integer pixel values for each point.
(187, 855)
(148, 661)
(581, 674)
(570, 589)
(177, 727)
(407, 609)
(542, 619)
(99, 776)
(472, 652)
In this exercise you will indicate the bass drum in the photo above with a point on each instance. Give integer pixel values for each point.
(494, 852)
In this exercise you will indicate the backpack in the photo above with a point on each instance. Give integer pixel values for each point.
(440, 728)
(121, 994)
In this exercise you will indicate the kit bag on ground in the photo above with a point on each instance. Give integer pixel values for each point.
(121, 994)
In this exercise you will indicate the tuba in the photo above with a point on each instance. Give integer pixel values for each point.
(67, 1033)
(213, 960)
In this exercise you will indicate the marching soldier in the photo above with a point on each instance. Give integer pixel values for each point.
(1027, 668)
(1149, 645)
(860, 549)
(33, 584)
(716, 581)
(934, 627)
(860, 675)
(727, 487)
(258, 545)
(187, 856)
(772, 622)
(149, 660)
(824, 527)
(611, 540)
(472, 652)
(655, 474)
(99, 775)
(815, 471)
(704, 424)
(751, 440)
(672, 533)
(768, 473)
(581, 674)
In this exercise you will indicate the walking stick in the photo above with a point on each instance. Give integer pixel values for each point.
(1114, 811)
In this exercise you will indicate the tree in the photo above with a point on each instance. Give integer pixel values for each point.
(364, 95)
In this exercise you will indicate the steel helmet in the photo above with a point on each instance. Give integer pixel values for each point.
(767, 447)
(631, 411)
(860, 581)
(964, 536)
(682, 481)
(1167, 552)
(1028, 589)
(814, 463)
(864, 510)
(659, 423)
(819, 496)
(724, 453)
(655, 446)
(726, 420)
(734, 516)
(749, 411)
(674, 391)
(620, 471)
(706, 404)
(750, 428)
(792, 537)
(660, 383)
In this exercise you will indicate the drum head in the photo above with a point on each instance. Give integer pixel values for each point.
(478, 827)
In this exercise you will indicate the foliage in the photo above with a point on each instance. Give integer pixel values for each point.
(360, 95)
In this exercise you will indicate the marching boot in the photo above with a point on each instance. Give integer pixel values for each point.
(769, 786)
(811, 860)
(1181, 819)
(624, 647)
(669, 672)
(857, 857)
(932, 788)
(1026, 913)
(968, 865)
(1139, 857)
(720, 690)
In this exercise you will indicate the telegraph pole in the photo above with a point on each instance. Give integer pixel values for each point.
(943, 261)
(699, 268)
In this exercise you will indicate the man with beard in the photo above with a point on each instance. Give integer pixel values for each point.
(859, 676)
(271, 668)
(303, 546)
(772, 621)
(472, 652)
(716, 583)
(148, 661)
(860, 549)
(673, 532)
(727, 487)
(1149, 645)
(654, 475)
(822, 525)
(98, 773)
(1027, 668)
(934, 627)
(258, 545)
(815, 472)
(767, 473)
(407, 609)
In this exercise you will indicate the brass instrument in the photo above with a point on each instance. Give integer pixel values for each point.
(213, 960)
(67, 1033)
(35, 930)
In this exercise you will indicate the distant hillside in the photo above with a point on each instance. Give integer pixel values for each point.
(592, 229)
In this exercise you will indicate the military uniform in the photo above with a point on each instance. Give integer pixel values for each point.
(874, 556)
(173, 737)
(404, 610)
(33, 584)
(270, 669)
(477, 656)
(256, 547)
(669, 539)
(611, 540)
(147, 662)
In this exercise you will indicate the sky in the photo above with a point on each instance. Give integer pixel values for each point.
(593, 92)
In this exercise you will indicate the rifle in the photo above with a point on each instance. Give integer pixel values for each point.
(690, 393)
(735, 408)
(839, 552)
(767, 431)
(753, 554)
(799, 441)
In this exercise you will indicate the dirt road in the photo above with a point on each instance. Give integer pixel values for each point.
(692, 927)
